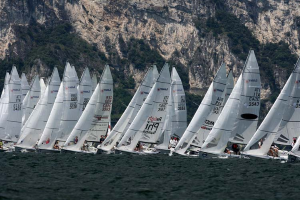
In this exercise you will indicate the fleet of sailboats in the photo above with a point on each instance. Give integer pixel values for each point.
(74, 116)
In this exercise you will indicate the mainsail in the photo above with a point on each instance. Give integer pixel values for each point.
(11, 113)
(146, 126)
(208, 103)
(246, 123)
(127, 117)
(176, 119)
(31, 99)
(4, 93)
(34, 126)
(24, 85)
(50, 133)
(95, 119)
(84, 90)
(211, 119)
(70, 112)
(242, 105)
(289, 128)
(268, 129)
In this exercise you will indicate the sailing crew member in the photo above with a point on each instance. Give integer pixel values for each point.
(235, 149)
(76, 140)
(294, 141)
(260, 143)
(1, 144)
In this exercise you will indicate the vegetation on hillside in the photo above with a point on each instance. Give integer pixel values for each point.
(54, 46)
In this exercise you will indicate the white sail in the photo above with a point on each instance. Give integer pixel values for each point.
(35, 125)
(246, 124)
(31, 99)
(63, 103)
(127, 117)
(70, 113)
(167, 128)
(24, 85)
(289, 128)
(209, 122)
(95, 119)
(42, 86)
(84, 90)
(268, 129)
(5, 88)
(176, 119)
(94, 82)
(146, 126)
(11, 113)
(242, 106)
(221, 131)
(179, 116)
(209, 101)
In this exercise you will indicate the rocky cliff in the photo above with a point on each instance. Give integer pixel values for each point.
(193, 35)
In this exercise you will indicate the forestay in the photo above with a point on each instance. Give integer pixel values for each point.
(146, 126)
(209, 122)
(137, 100)
(208, 103)
(268, 129)
(95, 119)
(35, 125)
(31, 99)
(11, 113)
(24, 85)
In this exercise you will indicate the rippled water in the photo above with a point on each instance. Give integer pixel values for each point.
(77, 176)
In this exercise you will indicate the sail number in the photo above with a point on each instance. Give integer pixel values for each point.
(17, 106)
(297, 104)
(73, 105)
(181, 105)
(85, 102)
(107, 104)
(255, 99)
(162, 106)
(217, 109)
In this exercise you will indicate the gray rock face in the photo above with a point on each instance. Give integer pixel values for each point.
(165, 25)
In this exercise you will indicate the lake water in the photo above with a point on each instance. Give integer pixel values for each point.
(80, 176)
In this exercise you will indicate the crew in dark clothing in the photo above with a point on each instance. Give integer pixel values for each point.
(102, 139)
(235, 149)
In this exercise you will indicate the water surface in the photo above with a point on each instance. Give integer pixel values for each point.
(80, 176)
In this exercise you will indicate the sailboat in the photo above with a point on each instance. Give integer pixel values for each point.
(34, 126)
(239, 113)
(260, 143)
(24, 85)
(211, 119)
(64, 113)
(129, 114)
(176, 119)
(11, 111)
(147, 125)
(31, 99)
(210, 100)
(94, 121)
